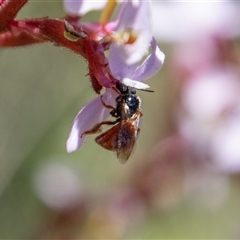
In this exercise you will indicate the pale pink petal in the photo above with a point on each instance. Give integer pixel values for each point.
(181, 21)
(226, 145)
(81, 7)
(135, 17)
(134, 83)
(118, 66)
(152, 64)
(138, 18)
(91, 114)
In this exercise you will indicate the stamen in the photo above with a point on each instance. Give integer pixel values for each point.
(128, 36)
(107, 12)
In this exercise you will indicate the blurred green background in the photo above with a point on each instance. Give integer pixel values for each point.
(41, 90)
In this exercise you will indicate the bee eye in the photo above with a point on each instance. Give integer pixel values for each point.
(121, 87)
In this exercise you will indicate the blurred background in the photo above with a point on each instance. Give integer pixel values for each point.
(182, 180)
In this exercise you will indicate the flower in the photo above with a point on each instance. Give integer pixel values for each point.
(133, 32)
(94, 112)
(211, 125)
(128, 43)
(130, 32)
(114, 50)
(184, 21)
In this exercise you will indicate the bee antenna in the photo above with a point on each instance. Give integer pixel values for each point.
(146, 90)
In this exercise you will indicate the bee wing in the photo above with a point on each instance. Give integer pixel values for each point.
(121, 138)
(126, 140)
(108, 139)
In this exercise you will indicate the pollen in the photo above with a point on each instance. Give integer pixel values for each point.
(128, 36)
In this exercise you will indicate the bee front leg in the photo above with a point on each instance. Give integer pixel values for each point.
(113, 112)
(106, 105)
(97, 127)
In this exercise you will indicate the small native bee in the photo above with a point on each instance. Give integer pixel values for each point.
(122, 136)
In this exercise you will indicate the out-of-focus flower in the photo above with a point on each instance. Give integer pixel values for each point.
(58, 186)
(211, 116)
(205, 69)
(94, 112)
(183, 21)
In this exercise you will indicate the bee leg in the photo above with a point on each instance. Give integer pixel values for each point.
(106, 105)
(116, 90)
(113, 112)
(97, 127)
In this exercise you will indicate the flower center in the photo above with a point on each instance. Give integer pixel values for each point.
(128, 36)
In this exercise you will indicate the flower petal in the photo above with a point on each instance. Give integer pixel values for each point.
(151, 65)
(81, 7)
(124, 58)
(135, 17)
(118, 66)
(183, 21)
(134, 83)
(91, 114)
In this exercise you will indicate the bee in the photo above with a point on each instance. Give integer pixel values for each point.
(122, 137)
